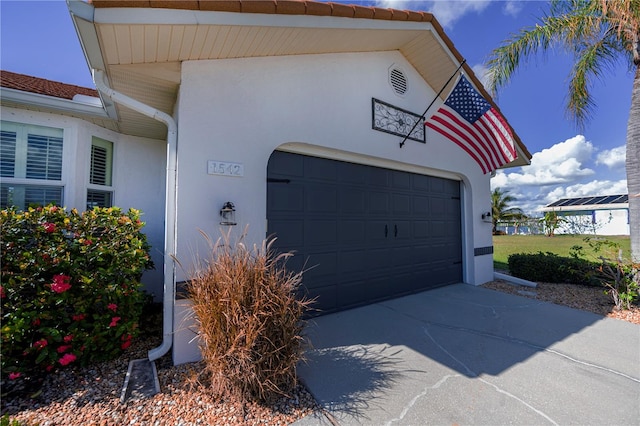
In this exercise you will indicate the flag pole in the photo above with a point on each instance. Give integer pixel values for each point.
(434, 99)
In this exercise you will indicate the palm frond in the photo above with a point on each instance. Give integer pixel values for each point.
(591, 62)
(563, 30)
(505, 59)
(597, 33)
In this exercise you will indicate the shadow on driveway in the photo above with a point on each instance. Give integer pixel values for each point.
(469, 355)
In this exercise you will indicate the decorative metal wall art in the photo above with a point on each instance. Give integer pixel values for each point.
(396, 121)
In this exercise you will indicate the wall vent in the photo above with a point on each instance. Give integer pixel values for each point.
(398, 81)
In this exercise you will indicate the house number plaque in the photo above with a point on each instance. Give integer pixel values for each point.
(225, 168)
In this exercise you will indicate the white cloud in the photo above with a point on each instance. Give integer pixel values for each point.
(560, 172)
(613, 158)
(397, 4)
(482, 72)
(589, 189)
(445, 11)
(562, 163)
(513, 8)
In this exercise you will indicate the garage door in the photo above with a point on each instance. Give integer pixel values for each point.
(363, 233)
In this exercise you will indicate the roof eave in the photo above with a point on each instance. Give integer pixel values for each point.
(588, 207)
(51, 103)
(82, 14)
(249, 13)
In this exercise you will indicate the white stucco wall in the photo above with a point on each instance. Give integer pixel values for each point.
(599, 222)
(241, 110)
(138, 179)
(612, 222)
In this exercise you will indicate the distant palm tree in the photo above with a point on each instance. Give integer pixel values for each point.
(500, 210)
(599, 33)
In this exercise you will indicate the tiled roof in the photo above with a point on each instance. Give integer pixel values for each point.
(27, 83)
(285, 7)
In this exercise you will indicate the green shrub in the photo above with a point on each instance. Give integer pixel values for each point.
(551, 268)
(70, 288)
(621, 277)
(622, 282)
(6, 421)
(250, 320)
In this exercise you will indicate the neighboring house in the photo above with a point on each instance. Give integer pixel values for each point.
(602, 215)
(287, 117)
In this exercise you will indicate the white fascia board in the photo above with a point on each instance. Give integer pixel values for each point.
(52, 103)
(149, 16)
(586, 207)
(82, 15)
(520, 160)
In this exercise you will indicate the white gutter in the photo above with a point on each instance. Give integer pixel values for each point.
(170, 227)
(51, 102)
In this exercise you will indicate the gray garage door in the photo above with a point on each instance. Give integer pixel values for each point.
(363, 233)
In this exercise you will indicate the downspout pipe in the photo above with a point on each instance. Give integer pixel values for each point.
(170, 227)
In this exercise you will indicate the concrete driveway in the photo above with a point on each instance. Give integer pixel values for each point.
(463, 355)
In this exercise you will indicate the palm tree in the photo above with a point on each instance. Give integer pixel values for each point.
(599, 33)
(500, 209)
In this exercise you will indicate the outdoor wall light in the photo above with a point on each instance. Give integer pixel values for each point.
(228, 214)
(486, 216)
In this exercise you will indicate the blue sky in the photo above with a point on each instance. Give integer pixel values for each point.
(38, 38)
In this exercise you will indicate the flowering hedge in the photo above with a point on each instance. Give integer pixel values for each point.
(70, 286)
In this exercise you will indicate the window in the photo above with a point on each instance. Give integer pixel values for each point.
(97, 198)
(101, 157)
(100, 174)
(30, 165)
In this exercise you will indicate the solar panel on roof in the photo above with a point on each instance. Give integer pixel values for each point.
(589, 200)
(577, 201)
(609, 199)
(584, 201)
(556, 203)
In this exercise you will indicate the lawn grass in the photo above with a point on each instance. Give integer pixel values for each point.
(504, 245)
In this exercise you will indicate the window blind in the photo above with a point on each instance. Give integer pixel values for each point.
(7, 153)
(101, 162)
(98, 199)
(44, 157)
(98, 174)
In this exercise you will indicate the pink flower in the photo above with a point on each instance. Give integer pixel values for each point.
(63, 348)
(79, 317)
(126, 341)
(114, 321)
(87, 242)
(13, 376)
(112, 306)
(67, 359)
(35, 322)
(49, 227)
(40, 344)
(68, 338)
(49, 368)
(60, 283)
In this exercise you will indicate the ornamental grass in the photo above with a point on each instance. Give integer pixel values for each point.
(250, 320)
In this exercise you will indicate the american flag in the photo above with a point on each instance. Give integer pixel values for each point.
(474, 125)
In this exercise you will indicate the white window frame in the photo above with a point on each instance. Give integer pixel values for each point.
(107, 188)
(20, 179)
